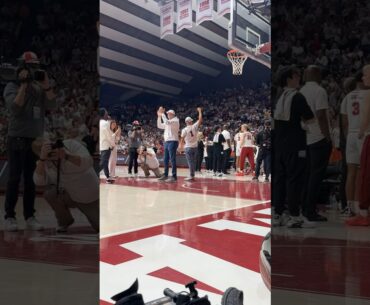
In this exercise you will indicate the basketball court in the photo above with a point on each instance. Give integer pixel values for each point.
(209, 230)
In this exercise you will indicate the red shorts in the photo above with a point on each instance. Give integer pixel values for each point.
(365, 175)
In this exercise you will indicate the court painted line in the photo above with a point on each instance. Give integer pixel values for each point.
(182, 219)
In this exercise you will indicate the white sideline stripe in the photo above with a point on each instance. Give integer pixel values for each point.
(265, 212)
(222, 224)
(180, 219)
(265, 220)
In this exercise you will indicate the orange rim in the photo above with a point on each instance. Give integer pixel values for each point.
(236, 54)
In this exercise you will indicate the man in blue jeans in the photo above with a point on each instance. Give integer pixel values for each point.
(171, 126)
(189, 136)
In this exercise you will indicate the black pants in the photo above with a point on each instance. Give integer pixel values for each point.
(21, 160)
(288, 181)
(226, 160)
(104, 162)
(200, 155)
(342, 186)
(209, 159)
(133, 155)
(265, 156)
(217, 159)
(318, 155)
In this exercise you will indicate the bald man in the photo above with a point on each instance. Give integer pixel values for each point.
(362, 217)
(318, 140)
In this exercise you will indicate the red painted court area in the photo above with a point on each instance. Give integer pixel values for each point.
(208, 186)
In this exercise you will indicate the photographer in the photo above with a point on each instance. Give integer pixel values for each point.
(27, 100)
(135, 138)
(148, 161)
(65, 168)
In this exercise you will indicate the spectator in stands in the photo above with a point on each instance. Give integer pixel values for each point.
(171, 126)
(67, 172)
(27, 100)
(318, 140)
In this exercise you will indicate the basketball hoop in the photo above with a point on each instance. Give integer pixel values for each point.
(263, 48)
(237, 59)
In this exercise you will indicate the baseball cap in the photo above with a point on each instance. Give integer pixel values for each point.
(188, 119)
(29, 58)
(171, 111)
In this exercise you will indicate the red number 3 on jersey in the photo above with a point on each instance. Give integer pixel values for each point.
(355, 108)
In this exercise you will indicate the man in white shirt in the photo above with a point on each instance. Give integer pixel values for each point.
(318, 140)
(171, 126)
(189, 137)
(67, 172)
(227, 150)
(148, 161)
(106, 142)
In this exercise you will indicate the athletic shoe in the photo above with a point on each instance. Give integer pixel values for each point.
(306, 223)
(255, 178)
(33, 224)
(267, 179)
(171, 179)
(162, 178)
(347, 212)
(358, 221)
(189, 179)
(240, 174)
(109, 181)
(277, 220)
(114, 177)
(295, 222)
(136, 175)
(220, 175)
(64, 229)
(10, 225)
(316, 217)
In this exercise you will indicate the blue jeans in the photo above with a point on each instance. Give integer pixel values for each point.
(170, 148)
(191, 157)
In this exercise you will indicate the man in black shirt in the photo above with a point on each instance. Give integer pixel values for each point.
(289, 141)
(263, 140)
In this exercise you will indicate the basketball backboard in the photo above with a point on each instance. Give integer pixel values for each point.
(250, 28)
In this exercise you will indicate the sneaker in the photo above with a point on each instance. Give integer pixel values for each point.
(255, 178)
(220, 175)
(294, 222)
(109, 181)
(240, 174)
(10, 225)
(306, 223)
(189, 179)
(347, 212)
(277, 220)
(33, 224)
(162, 178)
(136, 175)
(358, 221)
(171, 179)
(267, 179)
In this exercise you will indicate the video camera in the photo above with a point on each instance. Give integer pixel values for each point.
(34, 72)
(136, 128)
(232, 296)
(57, 144)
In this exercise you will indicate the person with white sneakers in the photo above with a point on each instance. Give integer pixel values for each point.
(116, 134)
(106, 144)
(148, 161)
(171, 126)
(189, 140)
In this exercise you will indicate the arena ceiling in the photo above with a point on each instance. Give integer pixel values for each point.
(134, 58)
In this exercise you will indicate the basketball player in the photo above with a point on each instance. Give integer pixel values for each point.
(362, 218)
(247, 149)
(189, 138)
(171, 126)
(350, 114)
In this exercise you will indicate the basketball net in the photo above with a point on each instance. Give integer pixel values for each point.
(237, 59)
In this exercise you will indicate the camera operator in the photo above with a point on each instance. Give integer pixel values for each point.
(27, 100)
(148, 161)
(66, 169)
(135, 139)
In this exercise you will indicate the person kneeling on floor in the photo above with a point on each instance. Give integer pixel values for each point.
(148, 161)
(65, 169)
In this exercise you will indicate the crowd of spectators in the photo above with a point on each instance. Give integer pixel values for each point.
(331, 34)
(66, 44)
(233, 107)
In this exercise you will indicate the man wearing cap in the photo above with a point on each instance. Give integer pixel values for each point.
(171, 126)
(189, 136)
(135, 139)
(27, 100)
(106, 141)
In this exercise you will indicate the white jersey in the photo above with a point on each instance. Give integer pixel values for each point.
(237, 142)
(190, 135)
(248, 139)
(351, 106)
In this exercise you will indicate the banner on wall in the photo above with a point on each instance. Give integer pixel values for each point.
(223, 7)
(167, 18)
(184, 15)
(204, 10)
